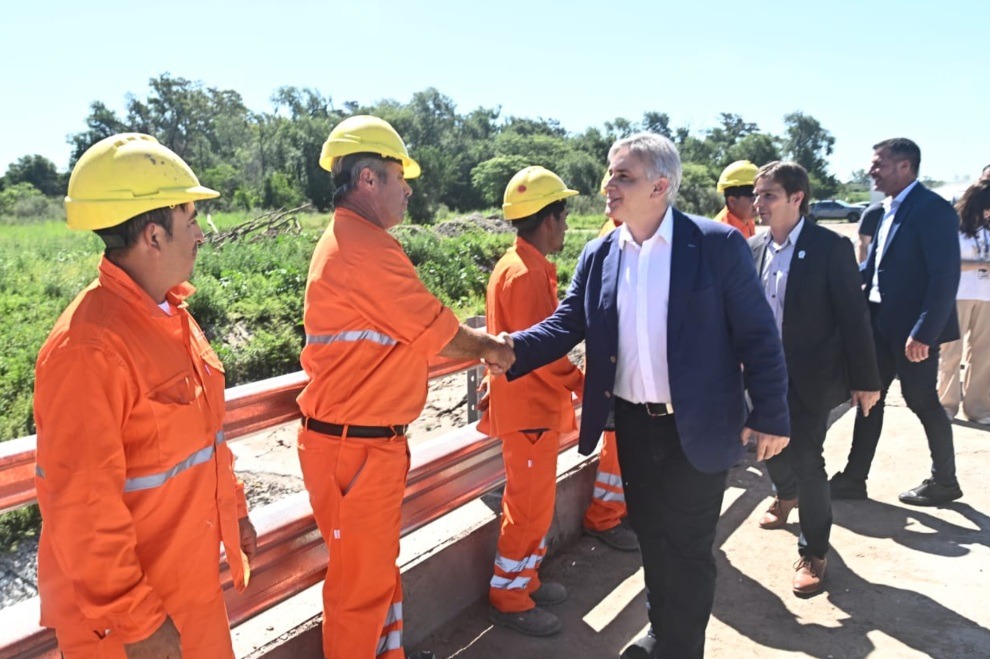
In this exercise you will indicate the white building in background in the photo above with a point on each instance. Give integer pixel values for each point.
(951, 192)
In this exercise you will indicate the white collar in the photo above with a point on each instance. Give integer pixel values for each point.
(792, 237)
(665, 231)
(889, 202)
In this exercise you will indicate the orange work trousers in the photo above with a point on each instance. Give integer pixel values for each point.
(356, 487)
(527, 511)
(608, 503)
(203, 632)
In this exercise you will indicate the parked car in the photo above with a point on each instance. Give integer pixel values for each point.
(833, 209)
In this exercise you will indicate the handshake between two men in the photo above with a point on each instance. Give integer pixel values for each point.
(499, 357)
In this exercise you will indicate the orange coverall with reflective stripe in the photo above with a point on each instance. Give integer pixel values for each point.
(746, 227)
(522, 291)
(608, 500)
(135, 485)
(371, 328)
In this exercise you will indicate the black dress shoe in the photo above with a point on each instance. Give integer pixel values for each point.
(844, 487)
(645, 647)
(930, 493)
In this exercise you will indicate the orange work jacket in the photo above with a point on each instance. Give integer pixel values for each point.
(371, 328)
(609, 226)
(135, 483)
(522, 291)
(746, 227)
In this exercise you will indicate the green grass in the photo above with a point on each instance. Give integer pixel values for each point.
(249, 295)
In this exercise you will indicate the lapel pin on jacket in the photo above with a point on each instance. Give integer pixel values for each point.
(801, 254)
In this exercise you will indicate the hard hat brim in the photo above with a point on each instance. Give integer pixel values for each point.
(521, 209)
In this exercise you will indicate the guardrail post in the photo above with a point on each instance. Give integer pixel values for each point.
(474, 375)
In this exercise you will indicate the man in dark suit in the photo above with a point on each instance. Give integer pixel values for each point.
(811, 280)
(676, 329)
(911, 276)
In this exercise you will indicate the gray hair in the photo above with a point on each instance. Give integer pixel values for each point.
(346, 171)
(658, 154)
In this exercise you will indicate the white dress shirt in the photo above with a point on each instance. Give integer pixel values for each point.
(890, 206)
(643, 294)
(776, 266)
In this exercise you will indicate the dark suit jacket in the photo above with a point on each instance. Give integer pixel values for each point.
(721, 339)
(828, 340)
(919, 271)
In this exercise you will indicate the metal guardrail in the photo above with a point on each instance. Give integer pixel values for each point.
(445, 472)
(250, 408)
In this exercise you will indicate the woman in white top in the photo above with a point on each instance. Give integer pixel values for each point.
(973, 304)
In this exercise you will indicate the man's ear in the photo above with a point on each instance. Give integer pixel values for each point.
(661, 186)
(368, 177)
(800, 196)
(152, 236)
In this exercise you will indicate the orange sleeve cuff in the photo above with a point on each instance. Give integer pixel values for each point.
(141, 621)
(437, 335)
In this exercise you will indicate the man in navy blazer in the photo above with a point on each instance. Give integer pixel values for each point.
(676, 329)
(910, 279)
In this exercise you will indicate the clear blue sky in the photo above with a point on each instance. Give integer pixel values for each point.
(866, 70)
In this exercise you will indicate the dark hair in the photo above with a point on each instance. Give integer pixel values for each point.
(527, 226)
(789, 175)
(974, 201)
(120, 238)
(346, 171)
(901, 148)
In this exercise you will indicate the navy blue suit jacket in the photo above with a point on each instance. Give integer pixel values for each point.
(722, 339)
(919, 271)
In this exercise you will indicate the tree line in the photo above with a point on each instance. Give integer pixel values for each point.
(265, 160)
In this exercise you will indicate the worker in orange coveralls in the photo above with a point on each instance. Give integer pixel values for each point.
(529, 414)
(736, 185)
(371, 328)
(606, 514)
(135, 483)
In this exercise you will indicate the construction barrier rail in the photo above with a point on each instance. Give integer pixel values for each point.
(445, 472)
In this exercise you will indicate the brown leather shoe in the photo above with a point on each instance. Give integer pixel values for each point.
(809, 579)
(776, 515)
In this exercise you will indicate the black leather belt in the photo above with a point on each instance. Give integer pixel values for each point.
(366, 432)
(651, 409)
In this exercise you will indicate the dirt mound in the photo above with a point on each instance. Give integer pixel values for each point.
(472, 222)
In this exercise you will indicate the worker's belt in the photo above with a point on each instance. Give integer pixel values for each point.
(651, 409)
(366, 432)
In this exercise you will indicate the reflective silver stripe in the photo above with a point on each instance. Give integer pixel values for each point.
(503, 583)
(394, 614)
(606, 478)
(511, 566)
(39, 472)
(351, 336)
(607, 495)
(389, 642)
(157, 480)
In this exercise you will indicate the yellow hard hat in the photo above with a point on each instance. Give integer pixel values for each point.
(366, 134)
(605, 180)
(741, 172)
(530, 190)
(124, 175)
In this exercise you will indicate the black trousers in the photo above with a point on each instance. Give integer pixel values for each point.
(673, 508)
(919, 387)
(799, 471)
